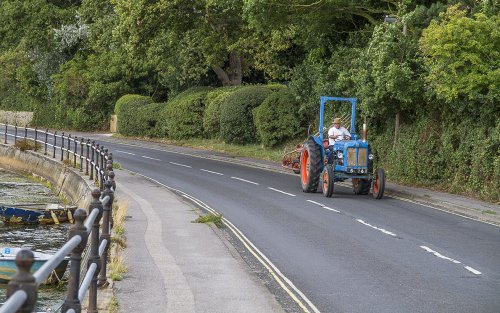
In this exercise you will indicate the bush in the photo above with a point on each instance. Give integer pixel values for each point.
(236, 121)
(27, 144)
(277, 118)
(441, 154)
(211, 117)
(133, 114)
(183, 115)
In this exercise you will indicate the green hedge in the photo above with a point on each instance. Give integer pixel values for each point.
(462, 158)
(133, 115)
(236, 120)
(183, 115)
(277, 118)
(211, 117)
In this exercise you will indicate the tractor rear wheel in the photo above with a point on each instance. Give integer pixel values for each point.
(310, 166)
(328, 181)
(361, 186)
(379, 184)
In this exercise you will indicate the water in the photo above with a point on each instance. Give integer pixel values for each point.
(15, 189)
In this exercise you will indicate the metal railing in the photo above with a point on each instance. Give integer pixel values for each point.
(22, 290)
(92, 157)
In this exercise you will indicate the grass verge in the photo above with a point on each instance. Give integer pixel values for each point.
(251, 150)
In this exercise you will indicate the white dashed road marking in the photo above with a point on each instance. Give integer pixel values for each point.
(178, 164)
(439, 255)
(244, 180)
(377, 228)
(474, 271)
(317, 203)
(281, 191)
(323, 206)
(125, 152)
(146, 157)
(204, 170)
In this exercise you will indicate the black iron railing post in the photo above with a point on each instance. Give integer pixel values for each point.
(36, 136)
(46, 140)
(15, 134)
(69, 147)
(92, 165)
(111, 176)
(97, 165)
(55, 143)
(75, 150)
(94, 250)
(102, 166)
(62, 147)
(81, 154)
(24, 280)
(5, 139)
(105, 234)
(87, 144)
(72, 301)
(25, 132)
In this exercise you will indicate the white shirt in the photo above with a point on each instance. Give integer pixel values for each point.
(340, 132)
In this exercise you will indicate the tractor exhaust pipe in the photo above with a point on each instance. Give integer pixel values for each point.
(364, 132)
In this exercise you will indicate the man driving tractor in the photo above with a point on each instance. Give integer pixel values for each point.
(336, 133)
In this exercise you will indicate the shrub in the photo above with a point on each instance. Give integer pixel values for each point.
(439, 154)
(277, 118)
(133, 113)
(236, 121)
(27, 144)
(211, 117)
(183, 114)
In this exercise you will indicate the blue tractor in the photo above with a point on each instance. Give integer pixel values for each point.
(348, 159)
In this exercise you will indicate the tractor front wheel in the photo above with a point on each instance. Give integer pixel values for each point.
(361, 186)
(310, 166)
(328, 181)
(379, 183)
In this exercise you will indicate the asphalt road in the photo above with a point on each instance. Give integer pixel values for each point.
(348, 253)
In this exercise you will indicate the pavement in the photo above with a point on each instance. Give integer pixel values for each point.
(176, 265)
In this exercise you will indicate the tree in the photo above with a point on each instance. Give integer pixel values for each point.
(462, 56)
(188, 38)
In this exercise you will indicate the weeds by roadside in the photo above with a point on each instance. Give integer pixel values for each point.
(210, 218)
(117, 267)
(27, 144)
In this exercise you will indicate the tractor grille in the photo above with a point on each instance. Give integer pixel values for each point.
(351, 157)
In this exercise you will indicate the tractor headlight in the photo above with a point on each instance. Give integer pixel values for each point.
(370, 156)
(340, 155)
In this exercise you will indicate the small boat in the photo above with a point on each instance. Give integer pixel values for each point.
(51, 214)
(8, 266)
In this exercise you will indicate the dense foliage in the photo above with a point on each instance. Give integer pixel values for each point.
(211, 124)
(183, 115)
(236, 121)
(277, 119)
(133, 113)
(427, 79)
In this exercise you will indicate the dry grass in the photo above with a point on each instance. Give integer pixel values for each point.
(27, 144)
(117, 267)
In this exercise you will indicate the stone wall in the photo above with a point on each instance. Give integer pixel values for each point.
(68, 181)
(12, 117)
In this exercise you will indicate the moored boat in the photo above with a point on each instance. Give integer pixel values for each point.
(52, 213)
(8, 266)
